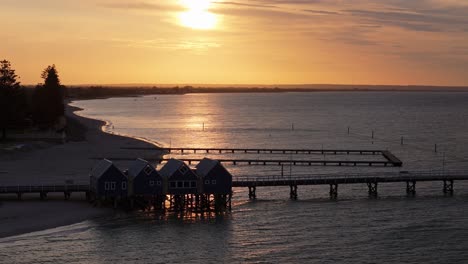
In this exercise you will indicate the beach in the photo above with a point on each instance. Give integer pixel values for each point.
(60, 163)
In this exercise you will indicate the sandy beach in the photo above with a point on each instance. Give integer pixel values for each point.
(55, 164)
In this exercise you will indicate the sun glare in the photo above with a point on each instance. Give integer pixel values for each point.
(197, 15)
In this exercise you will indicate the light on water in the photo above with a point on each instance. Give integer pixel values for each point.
(393, 228)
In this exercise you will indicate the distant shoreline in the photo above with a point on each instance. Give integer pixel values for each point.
(103, 92)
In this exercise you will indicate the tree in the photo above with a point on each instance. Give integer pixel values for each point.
(48, 103)
(12, 99)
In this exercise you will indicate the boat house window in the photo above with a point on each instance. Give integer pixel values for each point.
(124, 186)
(151, 183)
(112, 185)
(148, 170)
(183, 169)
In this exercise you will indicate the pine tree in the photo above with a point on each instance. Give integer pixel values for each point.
(48, 98)
(12, 99)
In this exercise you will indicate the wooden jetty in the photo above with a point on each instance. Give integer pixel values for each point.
(279, 162)
(263, 151)
(372, 181)
(43, 190)
(388, 158)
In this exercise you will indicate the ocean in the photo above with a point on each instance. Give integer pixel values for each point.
(428, 131)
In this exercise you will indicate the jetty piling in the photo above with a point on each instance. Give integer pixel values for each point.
(333, 190)
(411, 188)
(448, 187)
(200, 202)
(293, 192)
(372, 188)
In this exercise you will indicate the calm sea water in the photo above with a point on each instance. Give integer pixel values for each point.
(393, 228)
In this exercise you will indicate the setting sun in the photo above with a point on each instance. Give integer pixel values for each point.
(197, 15)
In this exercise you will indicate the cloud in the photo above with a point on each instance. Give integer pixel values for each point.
(170, 44)
(142, 5)
(320, 12)
(244, 4)
(415, 21)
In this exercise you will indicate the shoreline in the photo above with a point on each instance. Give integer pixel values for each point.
(105, 123)
(57, 163)
(145, 91)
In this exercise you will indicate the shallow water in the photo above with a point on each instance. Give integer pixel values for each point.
(428, 228)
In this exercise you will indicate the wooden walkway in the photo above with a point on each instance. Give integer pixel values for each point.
(333, 180)
(372, 181)
(265, 151)
(279, 162)
(389, 158)
(43, 190)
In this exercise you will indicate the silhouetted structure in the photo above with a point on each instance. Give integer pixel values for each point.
(217, 185)
(108, 182)
(144, 179)
(214, 177)
(179, 178)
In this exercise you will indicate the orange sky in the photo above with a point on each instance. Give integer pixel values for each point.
(238, 42)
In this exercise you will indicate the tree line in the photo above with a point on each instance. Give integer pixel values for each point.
(42, 108)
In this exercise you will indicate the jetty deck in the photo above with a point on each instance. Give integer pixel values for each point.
(265, 151)
(279, 162)
(324, 179)
(252, 182)
(388, 159)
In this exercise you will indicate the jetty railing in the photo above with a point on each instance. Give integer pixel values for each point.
(279, 162)
(252, 182)
(371, 179)
(275, 151)
(381, 176)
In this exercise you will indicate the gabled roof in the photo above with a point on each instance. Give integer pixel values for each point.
(205, 166)
(101, 168)
(171, 167)
(137, 166)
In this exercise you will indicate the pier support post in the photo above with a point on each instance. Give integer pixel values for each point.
(20, 196)
(333, 190)
(88, 196)
(67, 195)
(372, 189)
(411, 187)
(293, 192)
(252, 194)
(43, 195)
(448, 187)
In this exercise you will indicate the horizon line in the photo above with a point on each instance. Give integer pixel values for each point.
(284, 86)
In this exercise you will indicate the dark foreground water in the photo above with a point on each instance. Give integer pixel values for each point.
(428, 228)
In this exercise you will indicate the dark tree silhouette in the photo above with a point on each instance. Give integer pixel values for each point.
(48, 103)
(12, 99)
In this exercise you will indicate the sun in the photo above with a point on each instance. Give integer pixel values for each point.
(197, 15)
